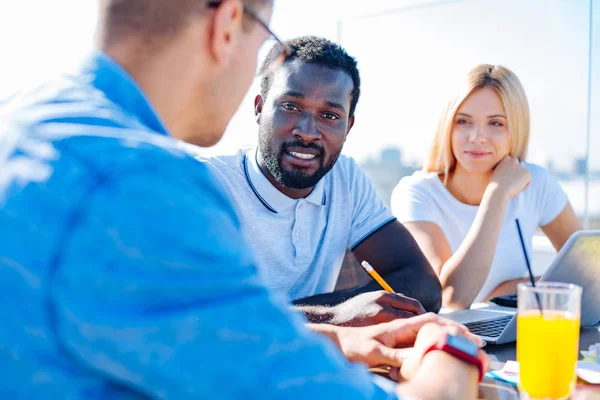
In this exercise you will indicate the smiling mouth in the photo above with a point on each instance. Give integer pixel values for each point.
(303, 156)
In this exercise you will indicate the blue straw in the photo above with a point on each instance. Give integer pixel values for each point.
(531, 278)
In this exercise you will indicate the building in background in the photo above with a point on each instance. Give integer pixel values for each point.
(386, 170)
(580, 166)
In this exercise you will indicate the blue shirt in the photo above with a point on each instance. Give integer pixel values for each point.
(122, 269)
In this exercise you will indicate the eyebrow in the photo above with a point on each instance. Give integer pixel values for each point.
(335, 105)
(292, 93)
(489, 116)
(299, 95)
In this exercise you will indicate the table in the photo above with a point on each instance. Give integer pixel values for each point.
(492, 390)
(508, 351)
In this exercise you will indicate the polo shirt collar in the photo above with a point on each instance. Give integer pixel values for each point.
(268, 194)
(105, 74)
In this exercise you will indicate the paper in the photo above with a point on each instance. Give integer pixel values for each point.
(592, 353)
(509, 373)
(511, 368)
(499, 375)
(588, 371)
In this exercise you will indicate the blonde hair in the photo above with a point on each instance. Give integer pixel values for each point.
(510, 91)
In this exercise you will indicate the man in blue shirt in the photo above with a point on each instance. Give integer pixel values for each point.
(122, 269)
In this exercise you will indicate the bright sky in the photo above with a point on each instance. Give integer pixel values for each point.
(409, 55)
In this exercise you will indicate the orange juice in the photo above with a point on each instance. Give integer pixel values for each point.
(547, 349)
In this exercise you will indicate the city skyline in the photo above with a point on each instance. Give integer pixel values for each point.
(387, 168)
(576, 168)
(550, 57)
(409, 57)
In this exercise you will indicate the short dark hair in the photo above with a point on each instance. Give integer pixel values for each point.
(150, 19)
(315, 50)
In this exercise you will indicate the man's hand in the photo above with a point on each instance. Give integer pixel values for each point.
(374, 308)
(388, 343)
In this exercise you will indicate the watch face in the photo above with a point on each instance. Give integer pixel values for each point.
(462, 344)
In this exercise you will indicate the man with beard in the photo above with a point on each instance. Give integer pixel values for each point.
(302, 204)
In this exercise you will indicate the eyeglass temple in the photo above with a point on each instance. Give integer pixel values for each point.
(285, 48)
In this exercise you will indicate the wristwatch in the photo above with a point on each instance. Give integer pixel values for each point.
(461, 348)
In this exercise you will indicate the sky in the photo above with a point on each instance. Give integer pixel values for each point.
(411, 53)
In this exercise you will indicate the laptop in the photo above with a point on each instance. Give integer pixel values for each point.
(577, 262)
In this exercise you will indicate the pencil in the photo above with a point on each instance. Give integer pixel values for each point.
(376, 276)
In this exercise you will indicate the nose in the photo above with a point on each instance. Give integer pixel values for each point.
(477, 134)
(306, 129)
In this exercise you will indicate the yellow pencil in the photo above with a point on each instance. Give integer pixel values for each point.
(376, 276)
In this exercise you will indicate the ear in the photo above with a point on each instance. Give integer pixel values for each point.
(258, 105)
(226, 30)
(350, 125)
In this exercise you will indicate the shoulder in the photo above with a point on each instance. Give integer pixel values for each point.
(545, 194)
(67, 100)
(419, 189)
(350, 177)
(345, 165)
(541, 178)
(418, 182)
(77, 119)
(78, 132)
(418, 197)
(536, 171)
(226, 164)
(347, 171)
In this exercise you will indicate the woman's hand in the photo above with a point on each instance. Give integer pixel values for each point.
(510, 177)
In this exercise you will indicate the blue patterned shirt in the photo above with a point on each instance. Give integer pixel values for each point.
(123, 273)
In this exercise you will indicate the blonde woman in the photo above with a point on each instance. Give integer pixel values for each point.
(462, 209)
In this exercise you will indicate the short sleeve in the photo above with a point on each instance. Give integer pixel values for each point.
(412, 200)
(368, 211)
(156, 290)
(550, 198)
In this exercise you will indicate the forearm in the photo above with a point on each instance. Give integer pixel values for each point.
(507, 288)
(414, 283)
(442, 376)
(327, 330)
(463, 275)
(396, 256)
(410, 281)
(319, 308)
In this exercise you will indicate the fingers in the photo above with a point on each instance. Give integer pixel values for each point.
(487, 361)
(389, 314)
(401, 302)
(429, 334)
(417, 322)
(383, 355)
(511, 176)
(403, 332)
(394, 374)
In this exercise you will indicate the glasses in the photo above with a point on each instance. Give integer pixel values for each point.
(282, 49)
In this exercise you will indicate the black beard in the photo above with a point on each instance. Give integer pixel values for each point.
(292, 179)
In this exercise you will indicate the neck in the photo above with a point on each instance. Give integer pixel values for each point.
(289, 192)
(162, 76)
(467, 187)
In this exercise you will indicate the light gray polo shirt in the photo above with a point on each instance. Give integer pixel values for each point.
(300, 243)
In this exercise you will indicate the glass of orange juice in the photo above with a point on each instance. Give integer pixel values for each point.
(548, 339)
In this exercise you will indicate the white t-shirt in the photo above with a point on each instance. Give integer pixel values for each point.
(300, 243)
(423, 197)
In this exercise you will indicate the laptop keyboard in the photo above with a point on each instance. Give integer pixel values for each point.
(490, 328)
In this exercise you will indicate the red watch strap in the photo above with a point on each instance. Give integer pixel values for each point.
(461, 355)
